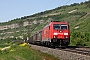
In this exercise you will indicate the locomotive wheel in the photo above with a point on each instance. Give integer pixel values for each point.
(48, 44)
(64, 46)
(51, 45)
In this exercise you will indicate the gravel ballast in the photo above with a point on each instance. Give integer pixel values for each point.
(62, 55)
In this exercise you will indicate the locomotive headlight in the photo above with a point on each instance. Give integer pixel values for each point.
(54, 36)
(66, 36)
(65, 33)
(55, 33)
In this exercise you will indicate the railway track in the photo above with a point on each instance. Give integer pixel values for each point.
(77, 50)
(66, 54)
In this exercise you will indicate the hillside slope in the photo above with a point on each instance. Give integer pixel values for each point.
(76, 14)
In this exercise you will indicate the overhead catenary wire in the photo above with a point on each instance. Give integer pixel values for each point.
(65, 3)
(59, 4)
(50, 4)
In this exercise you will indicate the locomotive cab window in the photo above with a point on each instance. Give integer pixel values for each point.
(56, 26)
(60, 26)
(63, 27)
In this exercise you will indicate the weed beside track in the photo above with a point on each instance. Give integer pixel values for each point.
(23, 52)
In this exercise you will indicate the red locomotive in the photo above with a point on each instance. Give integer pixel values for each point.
(54, 34)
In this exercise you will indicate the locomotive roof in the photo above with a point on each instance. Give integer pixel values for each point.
(59, 22)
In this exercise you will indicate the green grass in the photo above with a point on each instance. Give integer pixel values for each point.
(3, 45)
(17, 52)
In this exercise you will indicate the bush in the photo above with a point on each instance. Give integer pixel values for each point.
(80, 42)
(80, 38)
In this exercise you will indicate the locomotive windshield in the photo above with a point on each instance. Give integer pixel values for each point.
(63, 27)
(60, 26)
(56, 26)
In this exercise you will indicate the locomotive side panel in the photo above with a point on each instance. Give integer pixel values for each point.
(46, 33)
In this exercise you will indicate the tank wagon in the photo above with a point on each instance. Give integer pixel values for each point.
(54, 34)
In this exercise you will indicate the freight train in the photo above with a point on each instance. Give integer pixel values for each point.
(54, 34)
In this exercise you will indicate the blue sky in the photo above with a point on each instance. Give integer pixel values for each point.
(11, 9)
